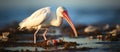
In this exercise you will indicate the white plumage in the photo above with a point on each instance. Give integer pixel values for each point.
(36, 18)
(44, 17)
(90, 29)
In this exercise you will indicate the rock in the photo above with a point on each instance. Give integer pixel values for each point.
(59, 44)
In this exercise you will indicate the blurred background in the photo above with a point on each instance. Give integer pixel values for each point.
(97, 23)
(81, 11)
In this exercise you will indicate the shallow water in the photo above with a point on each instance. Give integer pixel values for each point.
(24, 48)
(96, 44)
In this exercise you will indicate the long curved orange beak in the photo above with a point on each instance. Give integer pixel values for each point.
(67, 18)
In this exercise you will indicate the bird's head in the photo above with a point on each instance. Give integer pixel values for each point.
(62, 12)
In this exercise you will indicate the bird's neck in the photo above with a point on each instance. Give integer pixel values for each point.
(57, 21)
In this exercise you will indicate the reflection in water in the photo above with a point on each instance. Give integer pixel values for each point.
(36, 50)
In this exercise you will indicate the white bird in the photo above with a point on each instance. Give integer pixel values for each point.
(90, 29)
(45, 18)
(4, 36)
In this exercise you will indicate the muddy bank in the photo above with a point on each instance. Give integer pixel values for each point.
(42, 44)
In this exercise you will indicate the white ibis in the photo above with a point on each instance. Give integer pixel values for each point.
(45, 18)
(90, 29)
(4, 36)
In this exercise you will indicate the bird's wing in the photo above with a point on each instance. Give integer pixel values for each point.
(36, 18)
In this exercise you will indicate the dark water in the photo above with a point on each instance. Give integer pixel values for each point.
(96, 45)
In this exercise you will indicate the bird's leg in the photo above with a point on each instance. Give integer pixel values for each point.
(36, 33)
(44, 34)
